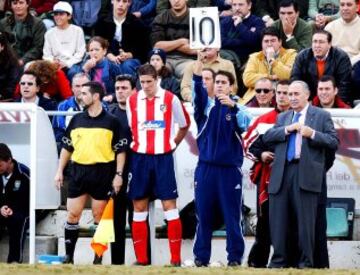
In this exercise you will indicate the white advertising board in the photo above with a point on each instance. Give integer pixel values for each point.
(343, 179)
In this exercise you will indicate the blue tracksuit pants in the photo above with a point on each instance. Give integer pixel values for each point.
(218, 186)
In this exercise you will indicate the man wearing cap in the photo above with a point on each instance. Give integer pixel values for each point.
(65, 43)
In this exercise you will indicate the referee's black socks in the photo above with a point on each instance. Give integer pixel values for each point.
(71, 236)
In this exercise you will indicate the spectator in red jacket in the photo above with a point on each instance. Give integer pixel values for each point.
(327, 94)
(55, 84)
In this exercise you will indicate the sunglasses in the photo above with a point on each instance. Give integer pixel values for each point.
(266, 91)
(26, 83)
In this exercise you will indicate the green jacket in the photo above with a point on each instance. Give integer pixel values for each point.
(301, 37)
(26, 37)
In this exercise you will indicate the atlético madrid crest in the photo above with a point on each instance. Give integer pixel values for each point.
(163, 108)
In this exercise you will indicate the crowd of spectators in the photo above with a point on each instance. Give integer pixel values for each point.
(49, 49)
(279, 40)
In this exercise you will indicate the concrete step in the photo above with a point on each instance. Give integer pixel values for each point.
(43, 245)
(337, 252)
(343, 254)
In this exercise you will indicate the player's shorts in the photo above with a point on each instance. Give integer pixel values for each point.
(95, 180)
(152, 176)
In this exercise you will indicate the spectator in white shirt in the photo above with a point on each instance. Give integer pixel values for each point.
(65, 43)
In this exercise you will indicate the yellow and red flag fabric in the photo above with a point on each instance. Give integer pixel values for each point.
(104, 233)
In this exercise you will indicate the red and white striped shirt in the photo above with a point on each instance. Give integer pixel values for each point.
(152, 121)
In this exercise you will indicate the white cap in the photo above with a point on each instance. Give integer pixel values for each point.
(62, 6)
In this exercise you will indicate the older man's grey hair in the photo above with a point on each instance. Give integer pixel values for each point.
(265, 79)
(303, 84)
(81, 75)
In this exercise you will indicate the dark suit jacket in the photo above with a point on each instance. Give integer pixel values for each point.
(312, 163)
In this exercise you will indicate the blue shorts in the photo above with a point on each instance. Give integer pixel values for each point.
(152, 176)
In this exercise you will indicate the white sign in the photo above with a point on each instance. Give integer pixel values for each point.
(204, 28)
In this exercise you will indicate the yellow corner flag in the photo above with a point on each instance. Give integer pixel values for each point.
(104, 233)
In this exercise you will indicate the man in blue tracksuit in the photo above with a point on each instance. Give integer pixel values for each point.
(218, 177)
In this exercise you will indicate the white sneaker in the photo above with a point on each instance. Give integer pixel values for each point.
(216, 264)
(188, 263)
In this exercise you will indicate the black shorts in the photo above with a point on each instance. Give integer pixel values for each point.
(95, 180)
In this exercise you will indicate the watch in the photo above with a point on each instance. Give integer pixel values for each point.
(119, 173)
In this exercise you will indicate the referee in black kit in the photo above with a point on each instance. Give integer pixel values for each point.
(94, 143)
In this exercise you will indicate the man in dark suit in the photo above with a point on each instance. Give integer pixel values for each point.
(302, 137)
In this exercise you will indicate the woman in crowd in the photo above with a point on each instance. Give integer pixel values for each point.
(166, 80)
(9, 69)
(98, 66)
(55, 84)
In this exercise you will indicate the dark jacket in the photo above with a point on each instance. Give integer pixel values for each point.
(135, 36)
(147, 8)
(16, 194)
(243, 39)
(9, 76)
(337, 65)
(27, 38)
(47, 104)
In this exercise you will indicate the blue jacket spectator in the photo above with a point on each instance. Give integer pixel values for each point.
(60, 123)
(243, 39)
(241, 32)
(144, 9)
(99, 67)
(221, 5)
